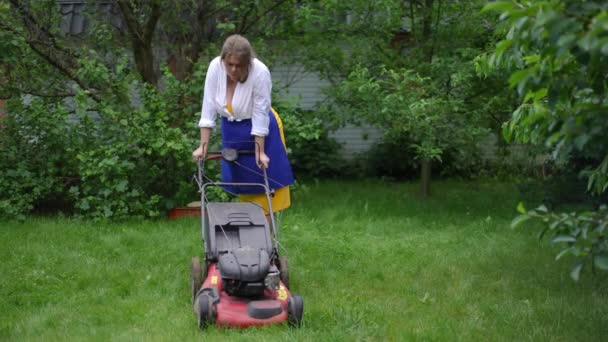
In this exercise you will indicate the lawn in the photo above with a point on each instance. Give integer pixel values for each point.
(372, 261)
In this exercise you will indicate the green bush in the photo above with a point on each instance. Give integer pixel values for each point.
(126, 158)
(555, 53)
(395, 159)
(37, 155)
(312, 153)
(389, 159)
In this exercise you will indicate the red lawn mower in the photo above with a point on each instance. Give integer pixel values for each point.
(243, 281)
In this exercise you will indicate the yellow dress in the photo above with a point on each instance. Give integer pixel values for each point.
(282, 197)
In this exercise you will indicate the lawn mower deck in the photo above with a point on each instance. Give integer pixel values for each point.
(213, 305)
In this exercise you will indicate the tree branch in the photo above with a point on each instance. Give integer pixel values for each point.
(243, 20)
(150, 25)
(132, 24)
(259, 17)
(37, 37)
(38, 94)
(141, 38)
(436, 31)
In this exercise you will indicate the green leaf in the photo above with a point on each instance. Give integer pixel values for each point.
(575, 273)
(519, 220)
(530, 59)
(518, 76)
(542, 233)
(502, 46)
(122, 185)
(585, 42)
(567, 40)
(562, 253)
(563, 238)
(604, 49)
(601, 261)
(500, 6)
(520, 208)
(84, 205)
(581, 141)
(536, 95)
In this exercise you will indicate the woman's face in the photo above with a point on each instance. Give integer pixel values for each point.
(236, 68)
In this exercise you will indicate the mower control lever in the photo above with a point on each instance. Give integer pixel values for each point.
(227, 153)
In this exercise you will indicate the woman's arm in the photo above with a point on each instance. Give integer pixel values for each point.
(208, 110)
(261, 107)
(260, 156)
(201, 151)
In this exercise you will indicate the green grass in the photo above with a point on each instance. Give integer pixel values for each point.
(372, 261)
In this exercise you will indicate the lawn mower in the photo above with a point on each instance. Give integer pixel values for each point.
(242, 280)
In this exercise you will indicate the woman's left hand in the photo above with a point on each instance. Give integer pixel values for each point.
(262, 160)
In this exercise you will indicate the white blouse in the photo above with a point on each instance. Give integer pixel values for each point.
(251, 99)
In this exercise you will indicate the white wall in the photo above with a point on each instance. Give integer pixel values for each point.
(306, 88)
(293, 81)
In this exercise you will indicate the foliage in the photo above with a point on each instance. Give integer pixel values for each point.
(465, 159)
(407, 67)
(389, 160)
(312, 153)
(583, 234)
(342, 34)
(117, 132)
(366, 43)
(104, 163)
(128, 174)
(557, 55)
(33, 157)
(404, 104)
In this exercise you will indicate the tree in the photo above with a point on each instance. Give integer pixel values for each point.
(183, 29)
(416, 81)
(141, 33)
(557, 55)
(102, 107)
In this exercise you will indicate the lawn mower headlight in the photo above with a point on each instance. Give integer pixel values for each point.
(272, 279)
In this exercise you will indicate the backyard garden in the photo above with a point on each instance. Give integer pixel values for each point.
(480, 214)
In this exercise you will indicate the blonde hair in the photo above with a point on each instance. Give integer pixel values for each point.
(239, 46)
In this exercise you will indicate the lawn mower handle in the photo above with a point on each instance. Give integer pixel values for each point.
(231, 155)
(228, 154)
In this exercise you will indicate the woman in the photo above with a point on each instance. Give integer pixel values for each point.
(238, 87)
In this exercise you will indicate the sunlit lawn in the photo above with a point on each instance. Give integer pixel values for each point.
(372, 261)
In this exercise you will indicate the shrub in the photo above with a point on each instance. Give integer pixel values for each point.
(37, 155)
(129, 156)
(118, 159)
(312, 153)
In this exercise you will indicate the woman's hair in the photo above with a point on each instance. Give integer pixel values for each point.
(237, 45)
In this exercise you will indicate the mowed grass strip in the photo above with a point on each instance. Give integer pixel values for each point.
(372, 260)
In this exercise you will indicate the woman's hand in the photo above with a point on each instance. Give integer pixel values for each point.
(200, 152)
(260, 156)
(262, 160)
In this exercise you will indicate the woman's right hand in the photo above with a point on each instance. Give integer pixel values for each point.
(199, 153)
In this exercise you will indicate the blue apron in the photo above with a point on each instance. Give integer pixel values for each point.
(237, 134)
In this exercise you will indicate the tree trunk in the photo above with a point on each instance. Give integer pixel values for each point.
(141, 37)
(428, 51)
(425, 178)
(427, 39)
(181, 62)
(144, 60)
